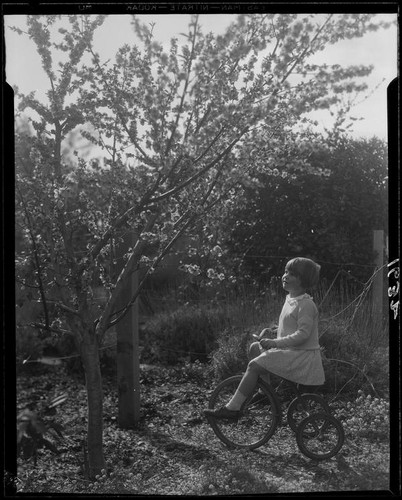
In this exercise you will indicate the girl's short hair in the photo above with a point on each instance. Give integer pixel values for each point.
(306, 270)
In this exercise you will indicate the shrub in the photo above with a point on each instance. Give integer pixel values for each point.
(355, 354)
(187, 333)
(230, 357)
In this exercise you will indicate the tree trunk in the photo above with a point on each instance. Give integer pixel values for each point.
(93, 380)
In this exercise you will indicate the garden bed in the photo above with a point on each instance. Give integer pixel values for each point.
(173, 451)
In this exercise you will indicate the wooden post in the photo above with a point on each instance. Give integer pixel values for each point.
(378, 284)
(128, 362)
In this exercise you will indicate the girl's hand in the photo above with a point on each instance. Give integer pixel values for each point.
(266, 332)
(262, 334)
(267, 343)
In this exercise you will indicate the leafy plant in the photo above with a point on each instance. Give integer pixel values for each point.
(366, 416)
(31, 430)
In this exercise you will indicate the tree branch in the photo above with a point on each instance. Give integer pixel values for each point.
(202, 171)
(50, 328)
(296, 61)
(102, 322)
(165, 251)
(179, 111)
(36, 257)
(155, 263)
(116, 224)
(303, 53)
(119, 113)
(65, 308)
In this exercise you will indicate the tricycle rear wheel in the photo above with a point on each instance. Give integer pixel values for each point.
(303, 406)
(320, 436)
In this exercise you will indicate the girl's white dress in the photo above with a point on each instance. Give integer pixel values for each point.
(297, 356)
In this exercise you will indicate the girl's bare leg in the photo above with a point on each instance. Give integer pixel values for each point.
(254, 351)
(246, 386)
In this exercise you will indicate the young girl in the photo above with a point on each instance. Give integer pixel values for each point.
(295, 353)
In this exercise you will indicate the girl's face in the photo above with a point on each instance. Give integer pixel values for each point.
(291, 284)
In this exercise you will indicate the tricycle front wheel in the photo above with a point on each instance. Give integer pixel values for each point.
(258, 420)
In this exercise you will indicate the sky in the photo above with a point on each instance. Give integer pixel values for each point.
(23, 66)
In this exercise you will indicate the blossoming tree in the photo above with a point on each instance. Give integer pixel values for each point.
(179, 131)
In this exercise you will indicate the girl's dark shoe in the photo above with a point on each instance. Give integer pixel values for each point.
(223, 413)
